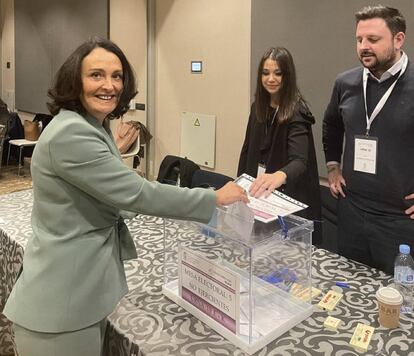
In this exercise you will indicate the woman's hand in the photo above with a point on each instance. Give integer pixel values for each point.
(231, 193)
(266, 183)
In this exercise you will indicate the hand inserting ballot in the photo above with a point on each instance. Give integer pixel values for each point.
(230, 193)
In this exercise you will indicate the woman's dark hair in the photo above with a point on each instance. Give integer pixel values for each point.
(67, 85)
(392, 17)
(290, 95)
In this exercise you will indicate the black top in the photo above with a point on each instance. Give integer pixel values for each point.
(286, 147)
(376, 90)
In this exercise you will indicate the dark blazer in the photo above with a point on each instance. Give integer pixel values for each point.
(286, 147)
(73, 274)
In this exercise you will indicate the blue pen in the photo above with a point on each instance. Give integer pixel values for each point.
(342, 284)
(283, 226)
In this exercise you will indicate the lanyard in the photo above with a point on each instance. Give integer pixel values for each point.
(384, 98)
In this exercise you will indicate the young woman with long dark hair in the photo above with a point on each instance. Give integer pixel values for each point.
(278, 148)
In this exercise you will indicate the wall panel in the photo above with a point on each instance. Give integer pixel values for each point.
(46, 32)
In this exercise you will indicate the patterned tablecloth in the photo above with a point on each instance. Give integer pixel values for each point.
(147, 323)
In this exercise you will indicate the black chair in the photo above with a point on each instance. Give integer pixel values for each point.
(44, 119)
(207, 179)
(176, 170)
(7, 124)
(180, 171)
(15, 131)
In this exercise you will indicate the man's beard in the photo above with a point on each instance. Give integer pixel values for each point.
(379, 65)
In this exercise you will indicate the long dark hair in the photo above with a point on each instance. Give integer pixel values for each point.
(67, 85)
(290, 95)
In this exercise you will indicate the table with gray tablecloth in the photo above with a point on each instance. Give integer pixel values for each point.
(145, 322)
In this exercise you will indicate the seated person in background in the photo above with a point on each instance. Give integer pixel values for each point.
(278, 148)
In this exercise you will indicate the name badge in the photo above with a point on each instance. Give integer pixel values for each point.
(261, 168)
(365, 155)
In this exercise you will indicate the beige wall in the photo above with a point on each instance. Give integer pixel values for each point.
(218, 33)
(7, 51)
(128, 29)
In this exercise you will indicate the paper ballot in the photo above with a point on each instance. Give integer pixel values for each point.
(268, 209)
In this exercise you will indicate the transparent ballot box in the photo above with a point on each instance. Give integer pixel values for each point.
(250, 281)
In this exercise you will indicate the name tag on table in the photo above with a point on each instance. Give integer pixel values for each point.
(365, 155)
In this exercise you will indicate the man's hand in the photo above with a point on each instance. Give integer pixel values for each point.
(336, 181)
(266, 183)
(410, 210)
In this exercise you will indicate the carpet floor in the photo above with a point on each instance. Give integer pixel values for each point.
(11, 182)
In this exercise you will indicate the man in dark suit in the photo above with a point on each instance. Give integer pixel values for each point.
(372, 107)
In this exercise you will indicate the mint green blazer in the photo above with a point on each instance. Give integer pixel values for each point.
(73, 275)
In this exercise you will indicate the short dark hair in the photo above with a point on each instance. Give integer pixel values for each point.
(393, 17)
(290, 95)
(67, 86)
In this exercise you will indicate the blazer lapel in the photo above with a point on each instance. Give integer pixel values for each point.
(109, 139)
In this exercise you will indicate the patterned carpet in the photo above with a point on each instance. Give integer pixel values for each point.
(11, 182)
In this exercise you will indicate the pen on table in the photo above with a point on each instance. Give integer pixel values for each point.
(342, 284)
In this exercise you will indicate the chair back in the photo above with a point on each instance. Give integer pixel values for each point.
(207, 179)
(133, 150)
(176, 170)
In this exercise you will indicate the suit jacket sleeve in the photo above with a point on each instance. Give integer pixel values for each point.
(245, 148)
(333, 127)
(82, 158)
(297, 147)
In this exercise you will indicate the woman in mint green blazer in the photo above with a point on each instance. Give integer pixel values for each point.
(73, 274)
